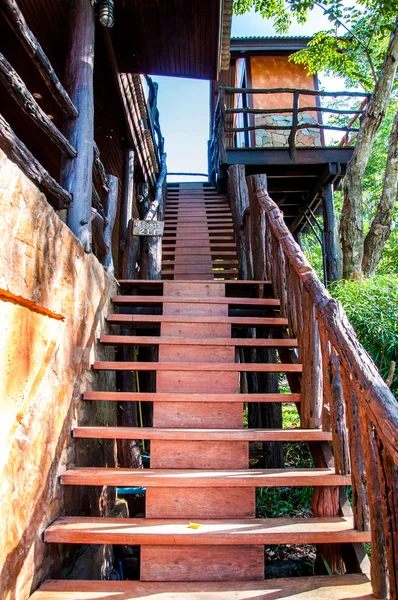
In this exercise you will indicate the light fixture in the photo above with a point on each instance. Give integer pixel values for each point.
(37, 95)
(107, 13)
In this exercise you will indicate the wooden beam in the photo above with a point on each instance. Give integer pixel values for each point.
(17, 22)
(77, 174)
(18, 153)
(22, 96)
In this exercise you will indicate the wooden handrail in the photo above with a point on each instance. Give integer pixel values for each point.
(18, 90)
(377, 399)
(341, 390)
(17, 21)
(304, 91)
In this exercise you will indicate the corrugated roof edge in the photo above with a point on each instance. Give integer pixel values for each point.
(272, 37)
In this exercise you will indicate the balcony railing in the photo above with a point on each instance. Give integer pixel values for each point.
(236, 123)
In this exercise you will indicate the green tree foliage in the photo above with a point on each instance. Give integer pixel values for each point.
(370, 305)
(355, 45)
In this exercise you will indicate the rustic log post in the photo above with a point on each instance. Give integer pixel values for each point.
(295, 127)
(257, 226)
(263, 415)
(99, 247)
(222, 142)
(388, 475)
(311, 392)
(378, 560)
(248, 246)
(126, 206)
(333, 397)
(239, 198)
(358, 472)
(77, 174)
(110, 205)
(131, 254)
(17, 21)
(332, 267)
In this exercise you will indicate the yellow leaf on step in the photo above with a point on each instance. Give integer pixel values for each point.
(194, 525)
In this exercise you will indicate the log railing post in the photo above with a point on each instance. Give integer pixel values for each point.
(311, 391)
(126, 206)
(388, 475)
(293, 131)
(358, 471)
(257, 226)
(222, 142)
(266, 415)
(329, 246)
(110, 206)
(378, 565)
(239, 201)
(77, 174)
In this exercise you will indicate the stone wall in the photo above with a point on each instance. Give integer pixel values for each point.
(53, 301)
(307, 137)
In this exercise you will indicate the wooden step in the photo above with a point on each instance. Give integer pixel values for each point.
(197, 398)
(141, 340)
(247, 321)
(216, 435)
(181, 366)
(336, 587)
(193, 261)
(97, 530)
(197, 478)
(199, 252)
(156, 300)
(133, 282)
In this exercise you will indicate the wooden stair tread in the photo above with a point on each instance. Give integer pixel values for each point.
(123, 300)
(169, 433)
(97, 530)
(178, 478)
(335, 587)
(141, 340)
(181, 397)
(182, 366)
(250, 321)
(133, 282)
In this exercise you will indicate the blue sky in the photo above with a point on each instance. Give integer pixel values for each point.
(184, 103)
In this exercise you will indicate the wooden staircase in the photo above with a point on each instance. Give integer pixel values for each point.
(200, 538)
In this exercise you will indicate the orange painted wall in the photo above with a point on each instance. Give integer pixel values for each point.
(276, 72)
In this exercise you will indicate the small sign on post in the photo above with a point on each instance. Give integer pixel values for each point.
(150, 228)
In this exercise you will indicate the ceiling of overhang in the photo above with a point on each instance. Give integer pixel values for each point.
(160, 37)
(168, 37)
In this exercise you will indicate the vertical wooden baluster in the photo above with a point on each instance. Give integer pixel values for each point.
(239, 197)
(388, 477)
(311, 389)
(110, 206)
(378, 561)
(291, 301)
(358, 474)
